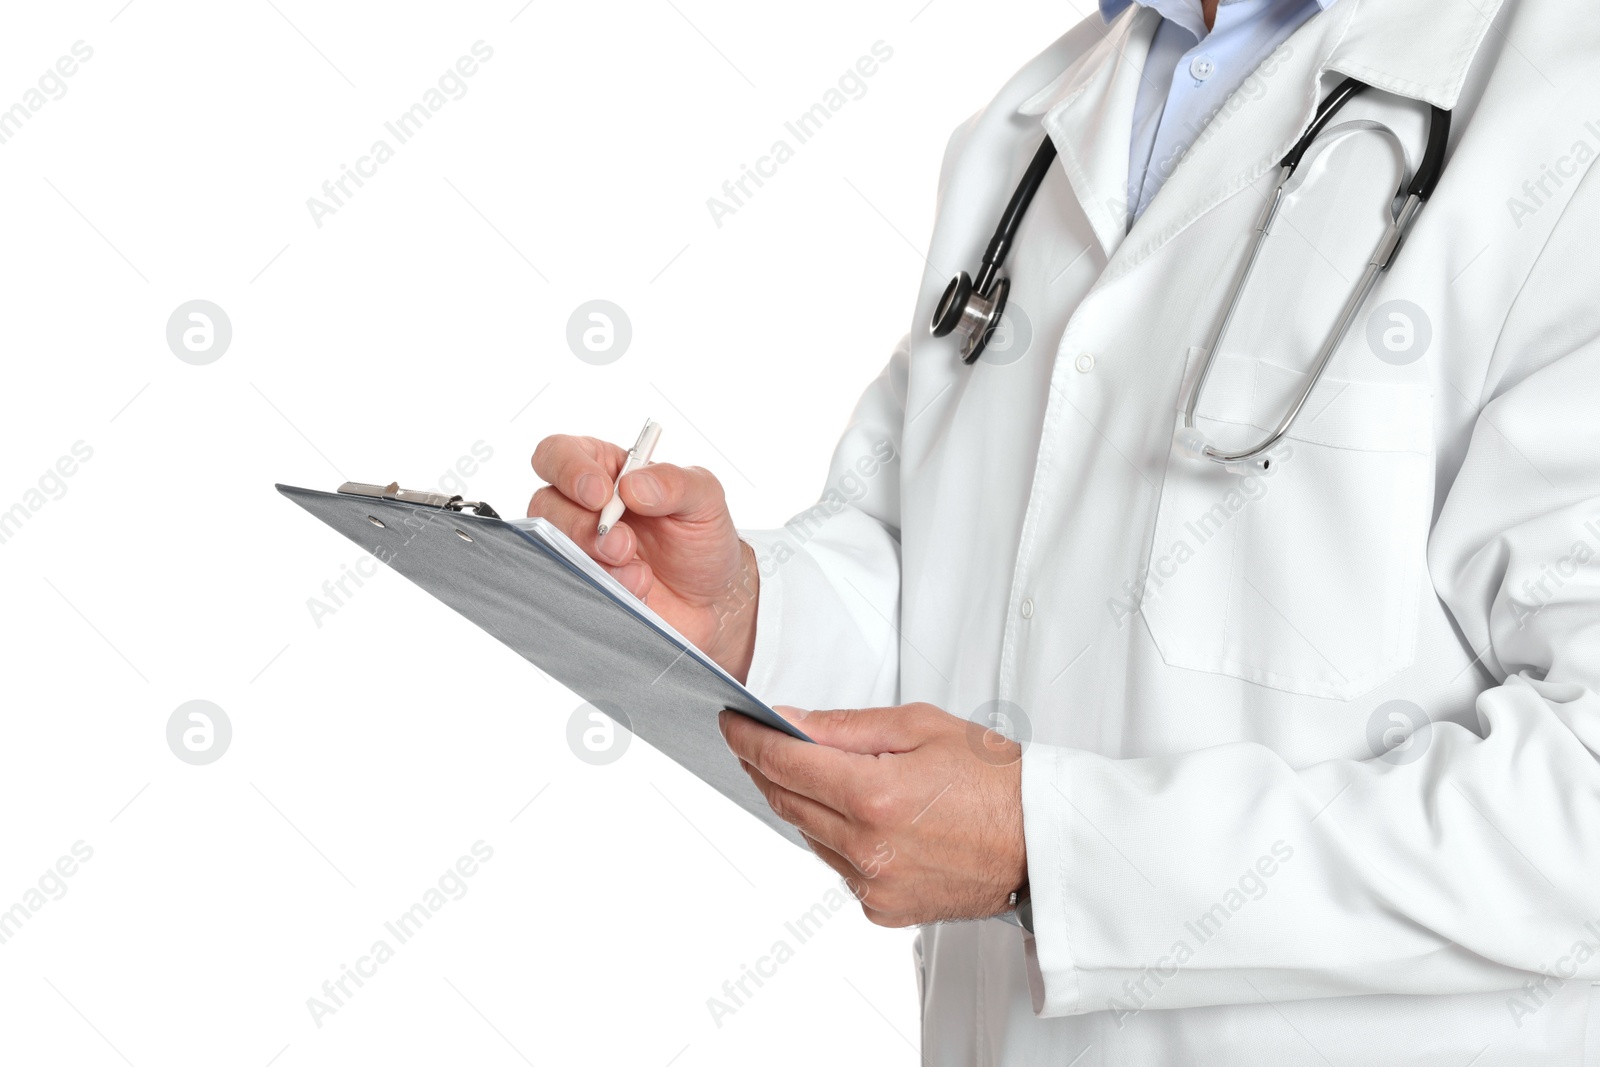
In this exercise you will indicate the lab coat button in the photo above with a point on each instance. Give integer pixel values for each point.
(1202, 67)
(1027, 608)
(1084, 362)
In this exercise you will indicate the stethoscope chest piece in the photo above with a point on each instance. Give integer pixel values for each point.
(971, 315)
(973, 309)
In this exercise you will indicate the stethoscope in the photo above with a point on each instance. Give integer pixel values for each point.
(973, 309)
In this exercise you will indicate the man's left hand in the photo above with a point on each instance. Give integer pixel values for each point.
(920, 811)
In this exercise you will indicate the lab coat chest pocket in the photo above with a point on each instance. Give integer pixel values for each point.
(1304, 576)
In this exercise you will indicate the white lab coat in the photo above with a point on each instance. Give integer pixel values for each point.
(1203, 664)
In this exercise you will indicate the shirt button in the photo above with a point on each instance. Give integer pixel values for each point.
(1202, 67)
(1027, 608)
(1084, 362)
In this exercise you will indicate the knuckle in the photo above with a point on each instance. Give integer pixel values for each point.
(695, 487)
(705, 477)
(738, 741)
(877, 806)
(737, 735)
(804, 777)
(543, 497)
(676, 482)
(778, 766)
(890, 904)
(885, 901)
(830, 717)
(853, 850)
(875, 861)
(546, 452)
(764, 760)
(783, 805)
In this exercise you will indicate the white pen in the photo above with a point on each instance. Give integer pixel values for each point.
(638, 456)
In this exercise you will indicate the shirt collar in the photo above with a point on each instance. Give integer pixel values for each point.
(1185, 13)
(1415, 48)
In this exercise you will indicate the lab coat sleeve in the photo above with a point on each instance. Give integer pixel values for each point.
(1226, 876)
(827, 616)
(828, 613)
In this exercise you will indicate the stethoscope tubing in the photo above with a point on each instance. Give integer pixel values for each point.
(1416, 195)
(995, 255)
(975, 307)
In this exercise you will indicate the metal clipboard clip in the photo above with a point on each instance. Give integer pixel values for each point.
(422, 497)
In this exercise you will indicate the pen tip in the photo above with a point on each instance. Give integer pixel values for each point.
(603, 529)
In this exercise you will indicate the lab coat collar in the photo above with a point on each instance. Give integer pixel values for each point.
(1420, 49)
(1088, 113)
(1186, 13)
(1415, 48)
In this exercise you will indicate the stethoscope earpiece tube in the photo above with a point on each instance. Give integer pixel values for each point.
(1431, 169)
(1342, 94)
(1190, 440)
(1000, 244)
(972, 308)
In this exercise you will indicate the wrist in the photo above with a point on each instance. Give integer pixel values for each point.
(733, 642)
(1016, 853)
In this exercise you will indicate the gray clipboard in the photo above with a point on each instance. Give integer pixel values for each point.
(550, 613)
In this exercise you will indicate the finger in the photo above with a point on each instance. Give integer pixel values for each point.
(617, 547)
(581, 468)
(854, 881)
(868, 731)
(816, 771)
(792, 715)
(811, 818)
(636, 577)
(691, 493)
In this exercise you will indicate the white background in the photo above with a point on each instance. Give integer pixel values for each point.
(426, 315)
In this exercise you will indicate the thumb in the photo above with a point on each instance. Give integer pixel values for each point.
(691, 493)
(867, 731)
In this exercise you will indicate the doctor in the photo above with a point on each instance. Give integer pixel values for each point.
(1293, 763)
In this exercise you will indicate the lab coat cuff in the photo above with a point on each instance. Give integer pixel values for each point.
(1047, 815)
(763, 677)
(811, 650)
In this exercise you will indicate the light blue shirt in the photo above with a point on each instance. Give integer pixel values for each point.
(1191, 72)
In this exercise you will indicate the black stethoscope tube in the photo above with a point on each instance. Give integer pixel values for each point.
(1409, 201)
(975, 307)
(1428, 171)
(995, 255)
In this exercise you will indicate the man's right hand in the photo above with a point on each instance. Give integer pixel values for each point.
(676, 548)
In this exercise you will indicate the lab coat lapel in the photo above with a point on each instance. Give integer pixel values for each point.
(1415, 48)
(1247, 137)
(1088, 113)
